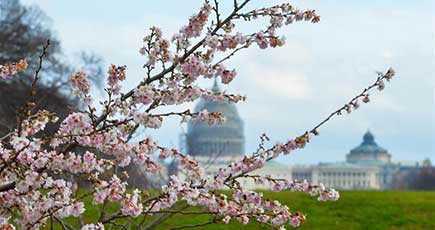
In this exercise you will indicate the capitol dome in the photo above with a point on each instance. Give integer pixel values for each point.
(218, 142)
(368, 152)
(368, 145)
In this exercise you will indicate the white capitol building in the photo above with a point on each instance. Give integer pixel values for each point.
(367, 166)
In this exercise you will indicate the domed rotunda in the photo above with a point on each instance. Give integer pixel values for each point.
(218, 143)
(369, 152)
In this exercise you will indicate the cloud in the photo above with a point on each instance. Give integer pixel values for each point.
(282, 84)
(385, 103)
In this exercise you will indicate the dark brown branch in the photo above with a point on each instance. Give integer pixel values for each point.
(158, 221)
(113, 216)
(38, 70)
(162, 218)
(362, 94)
(193, 225)
(232, 53)
(64, 227)
(186, 212)
(7, 187)
(103, 212)
(216, 9)
(118, 225)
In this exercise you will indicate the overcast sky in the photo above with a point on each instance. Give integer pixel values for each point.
(292, 88)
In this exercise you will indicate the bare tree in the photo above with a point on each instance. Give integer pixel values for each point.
(23, 32)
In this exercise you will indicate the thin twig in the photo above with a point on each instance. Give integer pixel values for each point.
(103, 212)
(216, 9)
(340, 110)
(193, 225)
(118, 225)
(38, 70)
(314, 131)
(157, 221)
(233, 52)
(64, 227)
(185, 212)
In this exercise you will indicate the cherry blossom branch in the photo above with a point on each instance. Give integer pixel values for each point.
(26, 109)
(300, 141)
(354, 101)
(31, 163)
(187, 54)
(52, 212)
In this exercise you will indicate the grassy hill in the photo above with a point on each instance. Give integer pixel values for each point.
(355, 210)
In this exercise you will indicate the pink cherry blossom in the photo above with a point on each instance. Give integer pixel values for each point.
(130, 205)
(97, 226)
(8, 70)
(80, 82)
(115, 76)
(226, 219)
(77, 209)
(144, 94)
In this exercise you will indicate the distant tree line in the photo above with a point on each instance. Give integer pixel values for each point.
(23, 32)
(421, 179)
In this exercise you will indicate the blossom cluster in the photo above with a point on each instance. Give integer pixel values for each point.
(116, 74)
(242, 205)
(279, 15)
(97, 226)
(178, 94)
(191, 64)
(144, 94)
(80, 85)
(37, 122)
(80, 82)
(195, 26)
(156, 48)
(211, 118)
(324, 193)
(7, 70)
(32, 205)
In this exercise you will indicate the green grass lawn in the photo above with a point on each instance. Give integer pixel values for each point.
(355, 210)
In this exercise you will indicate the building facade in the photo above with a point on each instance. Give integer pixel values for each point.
(340, 175)
(367, 167)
